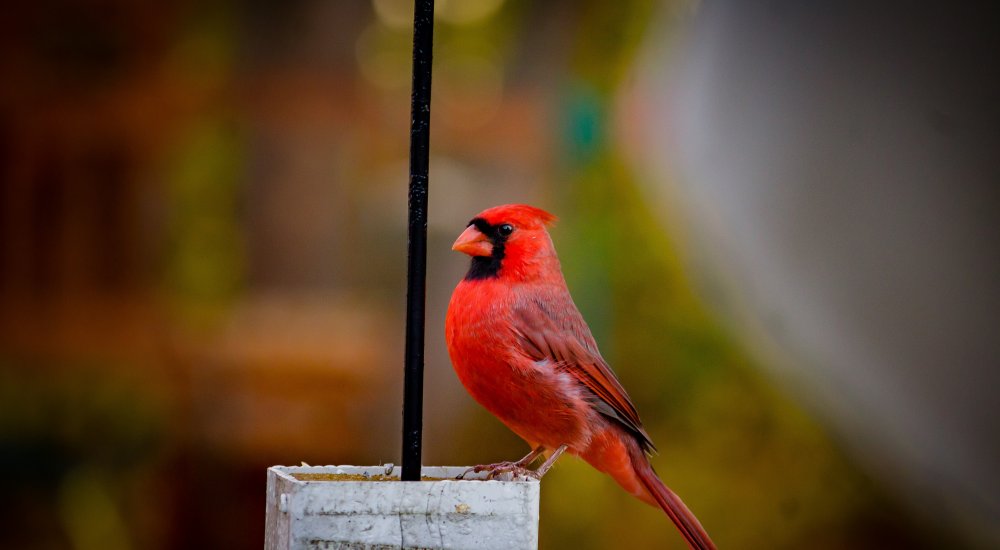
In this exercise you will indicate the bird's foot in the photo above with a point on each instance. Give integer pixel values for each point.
(514, 468)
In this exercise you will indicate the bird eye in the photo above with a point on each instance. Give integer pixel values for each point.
(505, 229)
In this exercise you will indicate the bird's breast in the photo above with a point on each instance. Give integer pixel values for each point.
(540, 402)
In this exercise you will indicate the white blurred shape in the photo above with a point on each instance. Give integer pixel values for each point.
(838, 178)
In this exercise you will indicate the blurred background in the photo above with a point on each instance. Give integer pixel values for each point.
(203, 240)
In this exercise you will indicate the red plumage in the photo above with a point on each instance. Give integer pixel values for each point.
(522, 350)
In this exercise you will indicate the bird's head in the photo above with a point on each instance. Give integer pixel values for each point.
(508, 241)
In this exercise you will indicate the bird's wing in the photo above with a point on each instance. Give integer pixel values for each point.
(553, 329)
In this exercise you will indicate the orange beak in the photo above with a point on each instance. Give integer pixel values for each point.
(473, 243)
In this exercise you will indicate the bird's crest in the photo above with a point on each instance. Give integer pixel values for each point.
(519, 214)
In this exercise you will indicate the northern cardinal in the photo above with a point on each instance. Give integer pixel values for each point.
(523, 351)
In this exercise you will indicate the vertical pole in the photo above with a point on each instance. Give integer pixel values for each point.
(420, 120)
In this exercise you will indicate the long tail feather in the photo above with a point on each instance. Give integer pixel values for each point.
(683, 518)
(620, 455)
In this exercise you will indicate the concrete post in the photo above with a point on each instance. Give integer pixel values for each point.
(367, 507)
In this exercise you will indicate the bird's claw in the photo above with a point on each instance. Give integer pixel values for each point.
(500, 468)
(514, 471)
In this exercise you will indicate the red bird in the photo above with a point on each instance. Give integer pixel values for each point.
(523, 351)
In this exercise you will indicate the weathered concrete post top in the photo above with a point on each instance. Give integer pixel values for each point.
(368, 507)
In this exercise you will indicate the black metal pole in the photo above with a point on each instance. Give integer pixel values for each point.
(416, 273)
